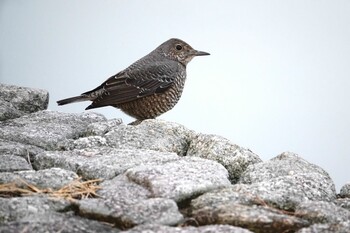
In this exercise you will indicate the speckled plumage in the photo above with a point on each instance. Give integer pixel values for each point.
(148, 87)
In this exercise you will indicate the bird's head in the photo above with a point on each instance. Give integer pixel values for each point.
(179, 50)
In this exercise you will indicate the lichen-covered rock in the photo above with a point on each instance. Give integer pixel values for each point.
(155, 175)
(17, 101)
(103, 162)
(47, 129)
(286, 181)
(342, 227)
(126, 204)
(285, 164)
(58, 223)
(322, 212)
(87, 142)
(8, 111)
(102, 127)
(54, 178)
(345, 190)
(146, 193)
(155, 228)
(151, 134)
(180, 179)
(233, 157)
(10, 163)
(343, 202)
(18, 149)
(227, 206)
(31, 208)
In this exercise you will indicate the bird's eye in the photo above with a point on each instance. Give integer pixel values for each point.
(178, 47)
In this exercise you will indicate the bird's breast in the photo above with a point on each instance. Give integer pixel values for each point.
(152, 106)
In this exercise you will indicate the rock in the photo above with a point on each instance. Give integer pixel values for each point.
(181, 179)
(227, 206)
(151, 134)
(11, 163)
(233, 157)
(47, 129)
(322, 212)
(58, 223)
(342, 227)
(127, 204)
(286, 181)
(102, 127)
(345, 190)
(32, 209)
(18, 149)
(54, 178)
(146, 193)
(153, 210)
(154, 228)
(343, 202)
(17, 101)
(157, 176)
(42, 214)
(8, 111)
(285, 164)
(255, 218)
(103, 162)
(87, 142)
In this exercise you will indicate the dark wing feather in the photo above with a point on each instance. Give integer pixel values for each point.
(132, 84)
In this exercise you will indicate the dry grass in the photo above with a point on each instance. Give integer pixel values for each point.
(77, 189)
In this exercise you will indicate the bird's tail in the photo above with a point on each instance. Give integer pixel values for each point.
(74, 99)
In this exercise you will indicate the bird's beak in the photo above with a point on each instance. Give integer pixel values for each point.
(200, 53)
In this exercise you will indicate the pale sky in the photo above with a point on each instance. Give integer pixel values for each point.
(277, 78)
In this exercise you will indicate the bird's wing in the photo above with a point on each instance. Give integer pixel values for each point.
(133, 84)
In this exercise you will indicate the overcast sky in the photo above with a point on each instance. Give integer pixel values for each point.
(277, 78)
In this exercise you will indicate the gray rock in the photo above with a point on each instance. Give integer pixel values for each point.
(233, 157)
(123, 191)
(18, 149)
(285, 164)
(8, 111)
(223, 196)
(181, 179)
(343, 202)
(154, 228)
(16, 101)
(30, 209)
(322, 212)
(87, 142)
(47, 129)
(286, 181)
(127, 204)
(9, 163)
(103, 162)
(156, 175)
(57, 223)
(141, 195)
(156, 135)
(345, 190)
(255, 218)
(103, 127)
(153, 210)
(227, 206)
(342, 227)
(289, 191)
(54, 178)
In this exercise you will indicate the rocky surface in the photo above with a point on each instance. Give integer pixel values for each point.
(17, 101)
(345, 191)
(156, 176)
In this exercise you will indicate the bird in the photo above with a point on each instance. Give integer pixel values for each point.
(147, 88)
